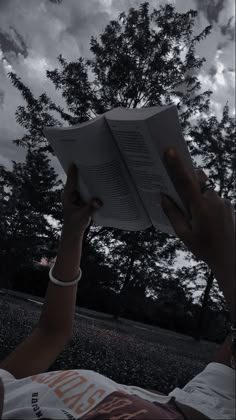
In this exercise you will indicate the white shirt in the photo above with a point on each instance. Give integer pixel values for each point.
(70, 394)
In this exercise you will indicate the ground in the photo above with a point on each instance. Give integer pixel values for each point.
(125, 351)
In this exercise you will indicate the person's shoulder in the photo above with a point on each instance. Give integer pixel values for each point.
(5, 375)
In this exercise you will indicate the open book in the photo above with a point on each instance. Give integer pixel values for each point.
(119, 156)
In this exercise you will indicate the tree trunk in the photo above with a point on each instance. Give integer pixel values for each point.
(97, 234)
(121, 310)
(86, 242)
(202, 313)
(128, 274)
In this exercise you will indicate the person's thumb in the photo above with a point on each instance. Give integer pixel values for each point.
(176, 217)
(96, 204)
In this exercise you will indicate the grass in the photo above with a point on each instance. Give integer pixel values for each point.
(147, 358)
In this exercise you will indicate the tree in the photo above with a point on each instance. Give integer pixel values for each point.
(29, 190)
(141, 60)
(136, 65)
(30, 199)
(213, 142)
(3, 227)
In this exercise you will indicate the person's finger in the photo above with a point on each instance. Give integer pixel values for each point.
(211, 193)
(72, 178)
(89, 208)
(176, 217)
(201, 175)
(97, 203)
(75, 198)
(71, 191)
(185, 182)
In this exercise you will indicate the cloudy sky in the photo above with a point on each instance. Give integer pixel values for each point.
(34, 32)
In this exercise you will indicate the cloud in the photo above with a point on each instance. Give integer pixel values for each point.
(229, 29)
(221, 81)
(12, 42)
(2, 94)
(211, 9)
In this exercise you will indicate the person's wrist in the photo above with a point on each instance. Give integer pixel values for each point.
(67, 263)
(70, 234)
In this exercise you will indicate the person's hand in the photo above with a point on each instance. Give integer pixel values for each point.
(210, 234)
(77, 213)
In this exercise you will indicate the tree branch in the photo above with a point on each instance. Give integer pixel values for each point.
(103, 229)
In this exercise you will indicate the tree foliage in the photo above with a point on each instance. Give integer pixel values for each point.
(141, 60)
(28, 201)
(213, 141)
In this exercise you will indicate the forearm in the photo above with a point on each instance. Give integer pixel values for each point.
(59, 306)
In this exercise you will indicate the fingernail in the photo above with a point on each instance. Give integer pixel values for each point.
(171, 154)
(97, 203)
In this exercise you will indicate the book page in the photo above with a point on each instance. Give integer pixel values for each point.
(142, 143)
(102, 173)
(133, 114)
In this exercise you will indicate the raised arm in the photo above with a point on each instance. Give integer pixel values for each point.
(55, 325)
(209, 235)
